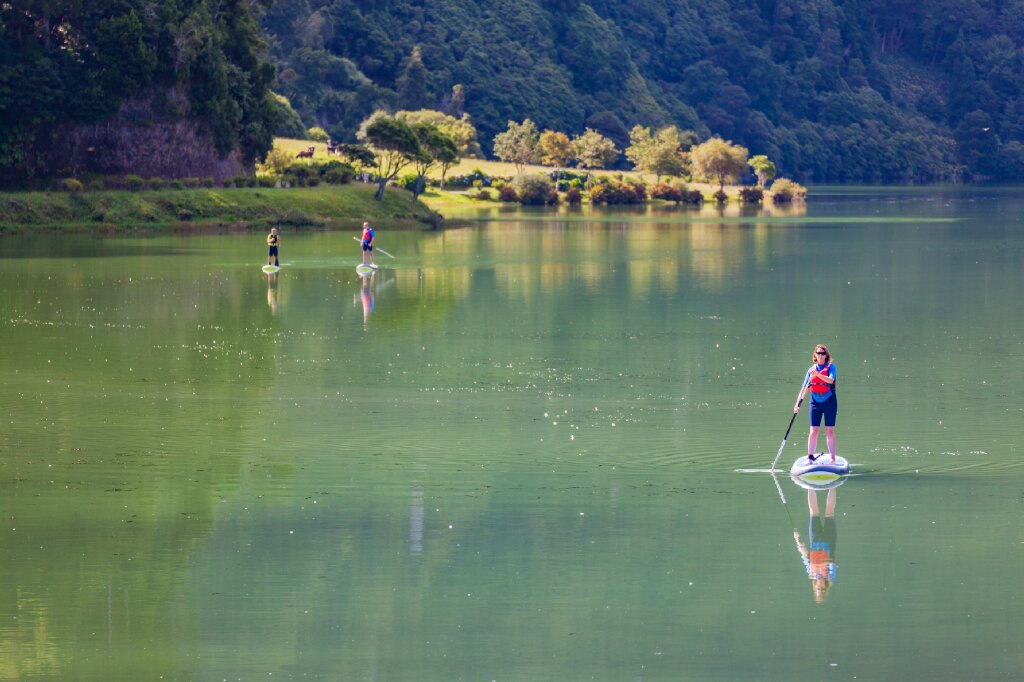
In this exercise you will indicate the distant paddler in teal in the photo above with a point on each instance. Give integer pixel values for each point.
(273, 241)
(821, 380)
(367, 242)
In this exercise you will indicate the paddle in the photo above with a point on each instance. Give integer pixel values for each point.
(377, 248)
(779, 453)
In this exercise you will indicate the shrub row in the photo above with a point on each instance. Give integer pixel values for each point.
(611, 192)
(678, 194)
(298, 175)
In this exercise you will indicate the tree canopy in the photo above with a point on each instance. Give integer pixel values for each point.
(593, 150)
(66, 65)
(519, 144)
(394, 144)
(719, 160)
(827, 89)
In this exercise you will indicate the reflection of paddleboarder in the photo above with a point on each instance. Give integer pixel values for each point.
(819, 553)
(366, 295)
(272, 291)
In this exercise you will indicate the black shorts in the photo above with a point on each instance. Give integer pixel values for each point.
(367, 246)
(272, 251)
(827, 409)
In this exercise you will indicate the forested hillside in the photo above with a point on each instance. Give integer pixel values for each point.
(176, 87)
(828, 89)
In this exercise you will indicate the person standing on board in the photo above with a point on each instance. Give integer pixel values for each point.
(821, 380)
(367, 242)
(272, 243)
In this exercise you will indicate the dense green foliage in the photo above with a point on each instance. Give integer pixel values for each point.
(827, 89)
(66, 63)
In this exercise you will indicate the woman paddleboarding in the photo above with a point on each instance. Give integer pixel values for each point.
(367, 242)
(821, 380)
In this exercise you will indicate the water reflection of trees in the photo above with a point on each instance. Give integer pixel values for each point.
(531, 259)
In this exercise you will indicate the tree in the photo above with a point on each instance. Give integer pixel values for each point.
(412, 84)
(455, 104)
(357, 154)
(764, 169)
(461, 130)
(436, 148)
(594, 150)
(719, 160)
(288, 121)
(976, 139)
(395, 145)
(71, 73)
(556, 150)
(520, 144)
(661, 154)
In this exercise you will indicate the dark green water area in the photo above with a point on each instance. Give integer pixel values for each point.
(517, 451)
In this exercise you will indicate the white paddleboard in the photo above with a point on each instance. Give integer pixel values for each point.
(366, 268)
(821, 468)
(271, 268)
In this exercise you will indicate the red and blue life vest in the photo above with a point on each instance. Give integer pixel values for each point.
(818, 385)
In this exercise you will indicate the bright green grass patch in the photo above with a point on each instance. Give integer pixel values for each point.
(325, 205)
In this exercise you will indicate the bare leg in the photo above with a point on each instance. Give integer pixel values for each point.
(812, 440)
(830, 438)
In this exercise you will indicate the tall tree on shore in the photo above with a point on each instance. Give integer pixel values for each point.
(519, 144)
(661, 154)
(461, 130)
(394, 145)
(556, 150)
(719, 160)
(763, 168)
(436, 149)
(593, 150)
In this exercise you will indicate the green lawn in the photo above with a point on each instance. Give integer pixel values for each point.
(325, 205)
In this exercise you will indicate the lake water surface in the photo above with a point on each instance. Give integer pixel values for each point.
(514, 452)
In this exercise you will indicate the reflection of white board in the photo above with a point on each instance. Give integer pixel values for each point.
(270, 268)
(365, 268)
(810, 482)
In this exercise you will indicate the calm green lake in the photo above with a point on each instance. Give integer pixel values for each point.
(514, 453)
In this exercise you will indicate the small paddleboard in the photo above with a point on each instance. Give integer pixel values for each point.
(821, 468)
(271, 268)
(366, 268)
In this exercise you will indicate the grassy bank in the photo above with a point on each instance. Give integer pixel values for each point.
(321, 206)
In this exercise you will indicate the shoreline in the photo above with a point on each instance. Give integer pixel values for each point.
(210, 209)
